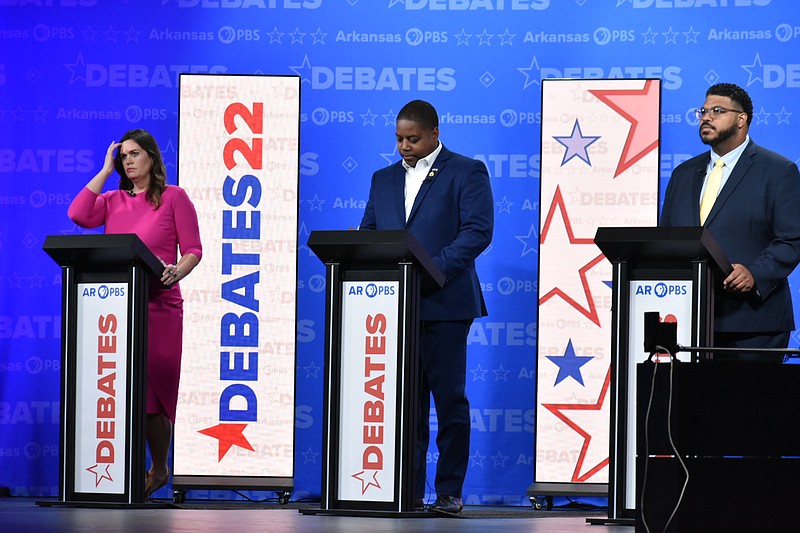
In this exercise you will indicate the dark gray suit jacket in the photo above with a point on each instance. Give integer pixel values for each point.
(756, 221)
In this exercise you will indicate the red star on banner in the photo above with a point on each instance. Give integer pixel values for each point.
(228, 435)
(636, 106)
(589, 311)
(595, 414)
(365, 483)
(100, 476)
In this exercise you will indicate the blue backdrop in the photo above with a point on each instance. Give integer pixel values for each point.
(76, 74)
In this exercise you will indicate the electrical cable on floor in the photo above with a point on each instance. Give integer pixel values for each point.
(647, 446)
(671, 441)
(669, 435)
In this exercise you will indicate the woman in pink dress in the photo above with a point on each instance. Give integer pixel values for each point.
(166, 221)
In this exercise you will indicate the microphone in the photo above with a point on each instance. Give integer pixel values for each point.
(131, 193)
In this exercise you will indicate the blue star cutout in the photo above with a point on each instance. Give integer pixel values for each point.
(476, 459)
(316, 203)
(274, 36)
(303, 70)
(783, 116)
(569, 364)
(751, 77)
(297, 36)
(310, 456)
(89, 34)
(389, 156)
(463, 37)
(505, 205)
(390, 118)
(318, 36)
(670, 36)
(111, 34)
(505, 38)
(132, 35)
(761, 116)
(78, 65)
(369, 118)
(530, 73)
(312, 370)
(479, 373)
(499, 459)
(576, 145)
(691, 35)
(649, 36)
(533, 237)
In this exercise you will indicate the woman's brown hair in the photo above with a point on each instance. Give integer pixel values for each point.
(158, 173)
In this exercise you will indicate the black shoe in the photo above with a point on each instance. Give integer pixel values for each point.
(447, 505)
(419, 504)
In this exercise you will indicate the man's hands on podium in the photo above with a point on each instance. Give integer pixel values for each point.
(739, 280)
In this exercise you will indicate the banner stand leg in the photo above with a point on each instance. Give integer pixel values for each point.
(106, 505)
(369, 514)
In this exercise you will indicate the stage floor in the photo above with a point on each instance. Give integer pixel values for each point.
(23, 515)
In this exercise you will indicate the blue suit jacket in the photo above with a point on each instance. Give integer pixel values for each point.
(755, 221)
(453, 219)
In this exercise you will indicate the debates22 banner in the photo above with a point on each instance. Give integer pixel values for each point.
(238, 160)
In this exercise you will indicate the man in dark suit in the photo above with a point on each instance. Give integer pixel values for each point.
(445, 200)
(751, 209)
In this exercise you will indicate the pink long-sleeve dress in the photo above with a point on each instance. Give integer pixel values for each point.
(171, 228)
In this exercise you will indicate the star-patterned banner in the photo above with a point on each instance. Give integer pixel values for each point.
(599, 168)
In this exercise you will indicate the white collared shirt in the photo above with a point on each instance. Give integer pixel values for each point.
(416, 175)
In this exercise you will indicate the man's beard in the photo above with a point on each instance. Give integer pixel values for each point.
(722, 135)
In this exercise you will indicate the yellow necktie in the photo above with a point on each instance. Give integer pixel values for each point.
(712, 188)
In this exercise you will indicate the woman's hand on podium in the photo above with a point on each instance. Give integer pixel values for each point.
(172, 274)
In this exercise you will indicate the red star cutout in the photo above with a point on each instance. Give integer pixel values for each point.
(100, 476)
(589, 312)
(558, 408)
(365, 484)
(228, 435)
(636, 106)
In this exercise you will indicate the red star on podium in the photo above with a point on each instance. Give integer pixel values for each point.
(100, 476)
(366, 483)
(228, 435)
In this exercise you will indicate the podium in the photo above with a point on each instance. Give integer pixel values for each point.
(104, 291)
(669, 270)
(736, 425)
(374, 280)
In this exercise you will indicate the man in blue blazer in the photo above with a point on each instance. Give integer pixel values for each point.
(445, 200)
(754, 218)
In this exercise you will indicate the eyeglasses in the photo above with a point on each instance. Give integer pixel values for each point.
(714, 112)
